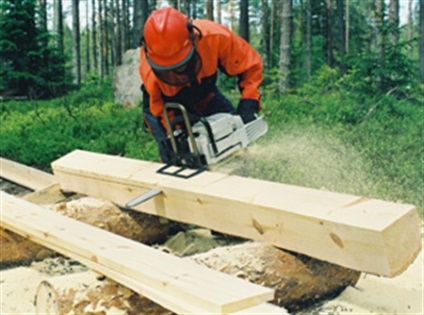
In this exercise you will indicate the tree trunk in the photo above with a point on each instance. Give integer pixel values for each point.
(42, 7)
(309, 38)
(244, 20)
(126, 23)
(102, 214)
(140, 15)
(410, 24)
(298, 280)
(329, 33)
(118, 34)
(209, 10)
(347, 26)
(58, 25)
(380, 37)
(421, 40)
(394, 21)
(101, 44)
(265, 33)
(91, 293)
(105, 48)
(94, 34)
(194, 9)
(76, 50)
(285, 45)
(342, 35)
(271, 33)
(112, 36)
(87, 39)
(218, 12)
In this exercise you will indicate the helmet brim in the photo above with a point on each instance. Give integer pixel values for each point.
(162, 67)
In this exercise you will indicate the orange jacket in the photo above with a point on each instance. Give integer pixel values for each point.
(218, 46)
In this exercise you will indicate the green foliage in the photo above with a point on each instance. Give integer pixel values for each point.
(371, 74)
(38, 132)
(28, 65)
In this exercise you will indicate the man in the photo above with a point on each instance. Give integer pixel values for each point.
(179, 63)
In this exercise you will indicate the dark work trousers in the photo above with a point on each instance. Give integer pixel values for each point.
(218, 104)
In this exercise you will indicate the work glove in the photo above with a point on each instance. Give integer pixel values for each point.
(247, 109)
(165, 150)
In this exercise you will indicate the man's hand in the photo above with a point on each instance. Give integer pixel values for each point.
(247, 109)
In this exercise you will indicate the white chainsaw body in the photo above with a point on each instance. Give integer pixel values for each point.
(228, 133)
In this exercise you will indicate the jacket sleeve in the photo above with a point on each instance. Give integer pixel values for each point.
(238, 58)
(151, 85)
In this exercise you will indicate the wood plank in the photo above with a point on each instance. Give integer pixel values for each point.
(177, 281)
(24, 175)
(367, 235)
(176, 305)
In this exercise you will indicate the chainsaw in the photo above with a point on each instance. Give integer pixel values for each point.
(197, 142)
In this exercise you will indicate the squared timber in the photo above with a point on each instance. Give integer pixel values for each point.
(368, 235)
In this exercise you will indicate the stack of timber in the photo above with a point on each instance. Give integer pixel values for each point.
(88, 292)
(366, 235)
(103, 214)
(178, 285)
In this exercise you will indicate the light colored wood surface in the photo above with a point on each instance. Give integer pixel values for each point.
(24, 175)
(367, 235)
(173, 280)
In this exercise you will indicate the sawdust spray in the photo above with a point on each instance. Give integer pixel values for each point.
(305, 157)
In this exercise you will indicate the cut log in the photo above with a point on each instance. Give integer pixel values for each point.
(103, 214)
(91, 293)
(298, 281)
(174, 283)
(15, 248)
(367, 235)
(141, 227)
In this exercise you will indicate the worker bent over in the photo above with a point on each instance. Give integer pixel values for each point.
(179, 63)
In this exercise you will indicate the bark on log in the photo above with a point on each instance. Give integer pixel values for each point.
(15, 248)
(299, 281)
(140, 227)
(147, 229)
(89, 293)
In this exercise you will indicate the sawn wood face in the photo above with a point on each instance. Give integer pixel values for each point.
(368, 235)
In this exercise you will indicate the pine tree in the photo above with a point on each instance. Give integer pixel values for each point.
(18, 45)
(28, 65)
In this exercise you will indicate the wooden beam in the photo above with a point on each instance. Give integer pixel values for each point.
(24, 175)
(367, 235)
(168, 280)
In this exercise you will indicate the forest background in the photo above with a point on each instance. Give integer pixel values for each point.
(342, 94)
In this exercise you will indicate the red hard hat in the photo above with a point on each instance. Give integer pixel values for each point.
(167, 38)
